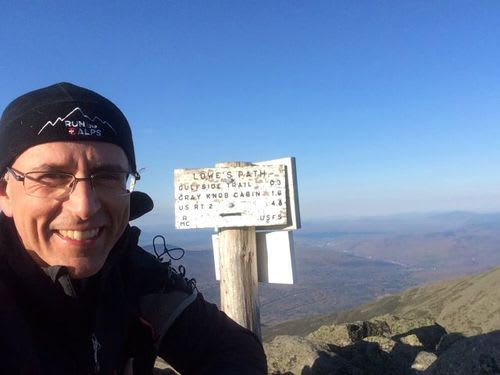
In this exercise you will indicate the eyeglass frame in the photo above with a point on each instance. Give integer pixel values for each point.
(20, 177)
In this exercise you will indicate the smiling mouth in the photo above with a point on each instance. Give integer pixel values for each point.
(79, 235)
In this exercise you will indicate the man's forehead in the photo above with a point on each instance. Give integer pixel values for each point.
(55, 155)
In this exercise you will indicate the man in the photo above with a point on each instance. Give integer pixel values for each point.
(77, 294)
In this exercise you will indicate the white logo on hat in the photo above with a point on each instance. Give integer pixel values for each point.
(75, 124)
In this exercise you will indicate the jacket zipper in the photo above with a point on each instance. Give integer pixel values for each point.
(96, 346)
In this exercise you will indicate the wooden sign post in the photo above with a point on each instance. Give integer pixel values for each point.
(238, 273)
(235, 198)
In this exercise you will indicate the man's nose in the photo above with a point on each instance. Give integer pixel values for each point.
(83, 200)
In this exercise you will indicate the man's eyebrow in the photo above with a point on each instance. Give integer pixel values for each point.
(48, 167)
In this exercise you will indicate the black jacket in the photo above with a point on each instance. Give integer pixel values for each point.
(134, 309)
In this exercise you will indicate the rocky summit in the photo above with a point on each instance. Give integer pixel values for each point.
(447, 328)
(384, 345)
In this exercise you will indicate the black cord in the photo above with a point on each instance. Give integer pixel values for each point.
(181, 270)
(166, 250)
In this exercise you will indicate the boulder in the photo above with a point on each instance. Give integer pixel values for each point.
(297, 355)
(349, 333)
(338, 335)
(398, 325)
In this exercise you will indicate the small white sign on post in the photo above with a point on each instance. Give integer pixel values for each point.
(246, 196)
(275, 257)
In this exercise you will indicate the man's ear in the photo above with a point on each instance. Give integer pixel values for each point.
(5, 201)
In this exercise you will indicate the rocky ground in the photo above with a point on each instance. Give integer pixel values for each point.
(385, 345)
(446, 328)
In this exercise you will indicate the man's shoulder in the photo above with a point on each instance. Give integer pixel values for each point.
(143, 269)
(141, 259)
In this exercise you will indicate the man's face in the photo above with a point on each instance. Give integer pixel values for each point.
(78, 231)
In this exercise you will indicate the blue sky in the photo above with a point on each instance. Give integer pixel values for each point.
(388, 106)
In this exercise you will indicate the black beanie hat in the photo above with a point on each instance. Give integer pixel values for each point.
(62, 112)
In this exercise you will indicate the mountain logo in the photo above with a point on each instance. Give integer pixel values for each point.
(78, 123)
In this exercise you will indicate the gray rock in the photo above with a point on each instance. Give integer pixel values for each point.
(423, 360)
(384, 343)
(333, 334)
(348, 333)
(296, 355)
(411, 340)
(163, 368)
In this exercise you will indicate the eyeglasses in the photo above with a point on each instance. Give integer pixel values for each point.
(60, 185)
